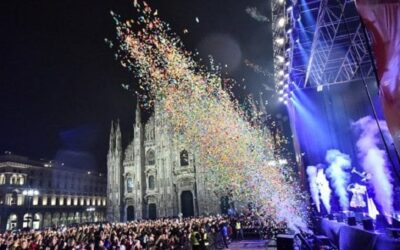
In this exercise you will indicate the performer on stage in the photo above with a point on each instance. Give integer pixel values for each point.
(372, 210)
(357, 200)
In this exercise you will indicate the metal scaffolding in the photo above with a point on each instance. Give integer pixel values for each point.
(325, 43)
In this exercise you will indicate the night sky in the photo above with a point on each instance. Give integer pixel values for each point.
(59, 83)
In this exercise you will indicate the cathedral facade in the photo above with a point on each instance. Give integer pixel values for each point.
(155, 176)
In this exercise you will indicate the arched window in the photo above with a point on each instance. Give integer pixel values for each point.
(14, 198)
(27, 222)
(21, 180)
(150, 158)
(12, 222)
(151, 182)
(13, 179)
(129, 185)
(184, 158)
(2, 179)
(37, 221)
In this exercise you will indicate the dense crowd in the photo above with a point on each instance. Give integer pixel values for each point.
(211, 232)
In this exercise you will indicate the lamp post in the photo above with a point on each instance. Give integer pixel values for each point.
(30, 193)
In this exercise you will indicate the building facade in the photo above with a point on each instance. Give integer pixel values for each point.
(155, 176)
(40, 194)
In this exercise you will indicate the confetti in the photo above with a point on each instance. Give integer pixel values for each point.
(235, 152)
(256, 15)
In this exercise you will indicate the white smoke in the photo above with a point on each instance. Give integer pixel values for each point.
(339, 164)
(324, 189)
(373, 161)
(312, 180)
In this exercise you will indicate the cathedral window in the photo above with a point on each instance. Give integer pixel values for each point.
(184, 158)
(151, 182)
(129, 185)
(150, 157)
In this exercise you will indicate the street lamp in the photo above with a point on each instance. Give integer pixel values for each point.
(30, 193)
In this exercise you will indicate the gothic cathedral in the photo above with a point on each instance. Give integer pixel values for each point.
(155, 176)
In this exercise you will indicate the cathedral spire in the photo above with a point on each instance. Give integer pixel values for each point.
(112, 138)
(138, 118)
(118, 139)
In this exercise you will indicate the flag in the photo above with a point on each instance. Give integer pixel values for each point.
(382, 19)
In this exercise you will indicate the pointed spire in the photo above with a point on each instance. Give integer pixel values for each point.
(112, 137)
(118, 139)
(138, 118)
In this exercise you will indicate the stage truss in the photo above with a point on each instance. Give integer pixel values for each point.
(324, 44)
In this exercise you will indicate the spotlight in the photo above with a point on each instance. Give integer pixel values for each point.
(286, 95)
(286, 75)
(297, 40)
(281, 83)
(281, 99)
(281, 22)
(285, 102)
(280, 40)
(281, 1)
(320, 88)
(287, 64)
(281, 73)
(289, 31)
(281, 59)
(281, 91)
(289, 9)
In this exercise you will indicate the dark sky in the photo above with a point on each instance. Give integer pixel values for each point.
(59, 82)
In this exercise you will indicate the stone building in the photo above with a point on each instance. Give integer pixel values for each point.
(155, 176)
(39, 194)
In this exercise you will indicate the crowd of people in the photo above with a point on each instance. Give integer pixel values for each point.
(210, 232)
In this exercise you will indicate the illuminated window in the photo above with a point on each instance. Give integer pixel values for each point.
(44, 200)
(75, 201)
(68, 201)
(82, 201)
(35, 200)
(13, 179)
(61, 201)
(2, 179)
(53, 200)
(12, 222)
(21, 180)
(129, 185)
(20, 200)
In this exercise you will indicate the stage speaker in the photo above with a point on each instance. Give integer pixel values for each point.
(381, 222)
(340, 217)
(368, 224)
(394, 232)
(284, 241)
(351, 221)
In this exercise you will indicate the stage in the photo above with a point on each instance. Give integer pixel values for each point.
(347, 237)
